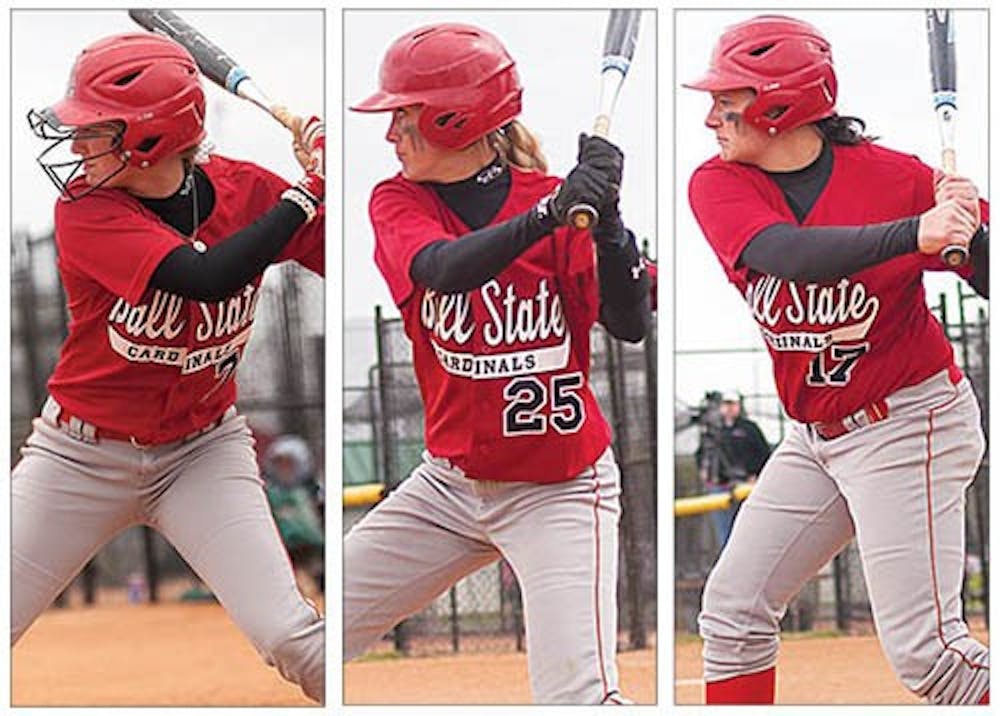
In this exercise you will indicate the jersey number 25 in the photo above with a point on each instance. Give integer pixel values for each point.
(527, 396)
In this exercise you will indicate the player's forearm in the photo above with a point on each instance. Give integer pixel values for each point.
(227, 267)
(466, 263)
(624, 286)
(979, 259)
(826, 253)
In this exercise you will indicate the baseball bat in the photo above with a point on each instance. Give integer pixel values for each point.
(619, 48)
(944, 92)
(215, 64)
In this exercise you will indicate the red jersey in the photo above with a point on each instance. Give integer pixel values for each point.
(840, 345)
(141, 361)
(503, 369)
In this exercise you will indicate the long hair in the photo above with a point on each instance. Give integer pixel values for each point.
(843, 129)
(199, 153)
(518, 146)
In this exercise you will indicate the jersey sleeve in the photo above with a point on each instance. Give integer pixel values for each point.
(307, 245)
(730, 211)
(115, 244)
(403, 226)
(312, 253)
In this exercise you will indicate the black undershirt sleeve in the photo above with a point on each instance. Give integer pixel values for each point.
(463, 264)
(979, 258)
(826, 253)
(624, 286)
(225, 268)
(466, 263)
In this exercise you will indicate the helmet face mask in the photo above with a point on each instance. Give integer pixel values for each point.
(145, 86)
(58, 161)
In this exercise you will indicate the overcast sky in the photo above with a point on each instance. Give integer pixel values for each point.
(882, 67)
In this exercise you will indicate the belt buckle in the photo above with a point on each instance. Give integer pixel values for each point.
(76, 428)
(874, 412)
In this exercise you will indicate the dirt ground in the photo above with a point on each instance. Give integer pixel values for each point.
(171, 654)
(483, 678)
(813, 670)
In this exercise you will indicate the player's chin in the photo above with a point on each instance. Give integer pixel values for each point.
(412, 173)
(729, 153)
(95, 177)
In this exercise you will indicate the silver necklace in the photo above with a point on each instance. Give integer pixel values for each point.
(190, 186)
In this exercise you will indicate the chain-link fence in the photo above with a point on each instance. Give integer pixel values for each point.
(837, 598)
(280, 379)
(383, 440)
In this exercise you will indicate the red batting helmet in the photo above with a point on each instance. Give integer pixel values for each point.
(461, 76)
(788, 64)
(143, 82)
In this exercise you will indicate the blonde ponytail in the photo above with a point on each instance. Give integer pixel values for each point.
(515, 143)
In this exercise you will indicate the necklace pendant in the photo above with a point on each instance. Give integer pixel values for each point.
(489, 174)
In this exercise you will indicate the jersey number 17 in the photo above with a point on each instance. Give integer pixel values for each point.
(835, 372)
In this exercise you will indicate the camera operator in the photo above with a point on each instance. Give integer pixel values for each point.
(731, 449)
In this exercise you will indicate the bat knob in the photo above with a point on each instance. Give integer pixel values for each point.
(955, 256)
(582, 216)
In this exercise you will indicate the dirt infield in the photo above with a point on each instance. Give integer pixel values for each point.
(474, 679)
(813, 670)
(165, 655)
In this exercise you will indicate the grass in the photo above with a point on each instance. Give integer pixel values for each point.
(379, 656)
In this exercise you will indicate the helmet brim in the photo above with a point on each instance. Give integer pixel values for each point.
(713, 81)
(68, 112)
(383, 101)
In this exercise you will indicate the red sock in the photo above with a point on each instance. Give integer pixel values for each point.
(986, 697)
(748, 689)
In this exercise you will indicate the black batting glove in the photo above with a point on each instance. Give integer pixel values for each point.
(601, 154)
(583, 185)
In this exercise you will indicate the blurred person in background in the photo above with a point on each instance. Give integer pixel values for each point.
(293, 493)
(731, 449)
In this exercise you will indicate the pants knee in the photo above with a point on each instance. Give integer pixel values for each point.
(954, 674)
(740, 635)
(300, 658)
